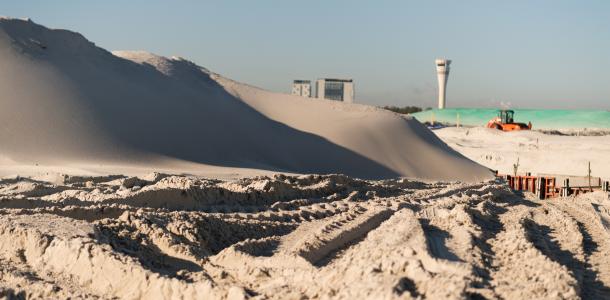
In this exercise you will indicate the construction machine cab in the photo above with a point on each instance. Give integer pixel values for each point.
(505, 122)
(506, 116)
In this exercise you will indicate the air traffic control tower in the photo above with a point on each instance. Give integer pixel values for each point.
(442, 72)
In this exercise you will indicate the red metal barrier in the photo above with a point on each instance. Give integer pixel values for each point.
(544, 187)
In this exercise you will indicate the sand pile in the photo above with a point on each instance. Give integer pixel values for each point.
(315, 236)
(69, 105)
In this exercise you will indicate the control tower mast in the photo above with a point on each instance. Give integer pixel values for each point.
(442, 72)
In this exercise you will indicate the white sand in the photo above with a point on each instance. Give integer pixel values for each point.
(537, 152)
(68, 103)
(174, 237)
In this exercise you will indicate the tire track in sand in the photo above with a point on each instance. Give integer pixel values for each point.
(596, 277)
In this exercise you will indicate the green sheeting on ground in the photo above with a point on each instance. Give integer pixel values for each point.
(541, 119)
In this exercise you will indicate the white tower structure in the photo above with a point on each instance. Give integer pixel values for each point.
(442, 72)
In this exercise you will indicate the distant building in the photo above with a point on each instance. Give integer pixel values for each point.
(301, 88)
(335, 89)
(442, 73)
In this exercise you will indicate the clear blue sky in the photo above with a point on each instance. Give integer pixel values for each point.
(531, 54)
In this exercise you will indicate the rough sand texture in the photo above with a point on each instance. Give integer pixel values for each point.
(283, 237)
(69, 105)
(537, 152)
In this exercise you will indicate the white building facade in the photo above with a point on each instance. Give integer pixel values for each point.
(442, 73)
(335, 89)
(301, 88)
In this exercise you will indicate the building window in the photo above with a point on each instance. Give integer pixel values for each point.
(333, 90)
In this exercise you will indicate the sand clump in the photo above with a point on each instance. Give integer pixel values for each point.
(312, 236)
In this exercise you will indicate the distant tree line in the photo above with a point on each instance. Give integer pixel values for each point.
(406, 109)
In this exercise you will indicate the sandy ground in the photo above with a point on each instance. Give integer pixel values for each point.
(283, 237)
(71, 107)
(537, 152)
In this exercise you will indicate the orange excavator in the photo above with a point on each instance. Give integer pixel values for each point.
(505, 122)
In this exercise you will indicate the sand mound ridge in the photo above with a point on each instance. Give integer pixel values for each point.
(314, 236)
(66, 102)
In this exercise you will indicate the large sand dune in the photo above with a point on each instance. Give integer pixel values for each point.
(66, 102)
